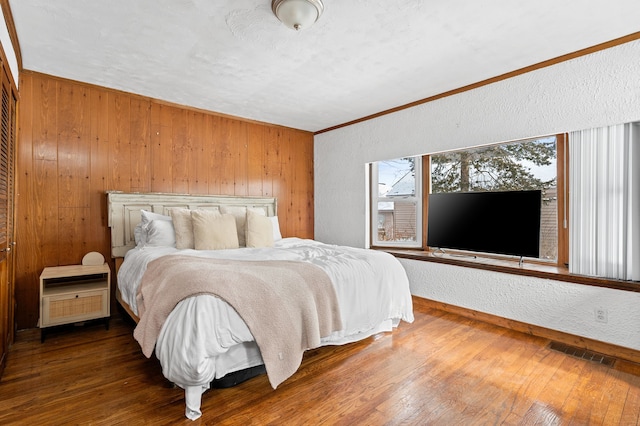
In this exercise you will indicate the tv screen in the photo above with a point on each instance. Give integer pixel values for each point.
(491, 222)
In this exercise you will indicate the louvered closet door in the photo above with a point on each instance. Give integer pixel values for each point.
(7, 137)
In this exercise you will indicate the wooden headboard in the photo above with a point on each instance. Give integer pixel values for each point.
(124, 211)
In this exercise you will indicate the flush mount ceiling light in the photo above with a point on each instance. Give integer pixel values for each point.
(297, 14)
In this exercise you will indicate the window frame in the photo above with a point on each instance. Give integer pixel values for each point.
(419, 202)
(422, 189)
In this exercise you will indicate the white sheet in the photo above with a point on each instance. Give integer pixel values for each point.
(372, 288)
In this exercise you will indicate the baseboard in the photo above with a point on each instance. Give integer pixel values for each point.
(618, 352)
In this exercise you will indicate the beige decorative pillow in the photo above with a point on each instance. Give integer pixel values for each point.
(184, 229)
(240, 214)
(259, 230)
(214, 231)
(258, 210)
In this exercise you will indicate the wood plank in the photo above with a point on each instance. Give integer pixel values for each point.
(198, 169)
(98, 233)
(442, 369)
(140, 140)
(120, 142)
(44, 107)
(282, 189)
(616, 406)
(255, 159)
(301, 196)
(28, 258)
(241, 155)
(74, 225)
(161, 149)
(631, 410)
(73, 146)
(180, 151)
(498, 359)
(523, 384)
(44, 178)
(224, 134)
(210, 154)
(272, 163)
(99, 172)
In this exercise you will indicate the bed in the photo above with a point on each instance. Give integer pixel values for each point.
(202, 277)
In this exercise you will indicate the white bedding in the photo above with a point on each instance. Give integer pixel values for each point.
(372, 289)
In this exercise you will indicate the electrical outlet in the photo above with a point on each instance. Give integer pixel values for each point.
(601, 315)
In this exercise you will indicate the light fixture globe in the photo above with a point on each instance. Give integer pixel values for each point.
(297, 14)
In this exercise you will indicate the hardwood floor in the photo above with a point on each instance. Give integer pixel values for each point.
(441, 370)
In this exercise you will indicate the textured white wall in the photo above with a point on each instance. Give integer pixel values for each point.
(591, 91)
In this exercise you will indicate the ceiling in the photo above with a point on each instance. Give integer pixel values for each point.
(360, 58)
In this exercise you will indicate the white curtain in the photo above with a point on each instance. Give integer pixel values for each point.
(604, 202)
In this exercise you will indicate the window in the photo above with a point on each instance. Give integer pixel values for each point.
(516, 166)
(605, 233)
(397, 197)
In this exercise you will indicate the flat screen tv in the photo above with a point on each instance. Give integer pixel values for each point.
(490, 222)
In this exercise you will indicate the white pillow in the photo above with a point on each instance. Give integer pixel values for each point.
(140, 234)
(259, 230)
(214, 231)
(160, 233)
(140, 231)
(147, 216)
(277, 236)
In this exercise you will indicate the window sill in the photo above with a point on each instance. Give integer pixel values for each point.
(552, 272)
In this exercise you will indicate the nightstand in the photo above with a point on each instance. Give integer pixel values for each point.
(75, 293)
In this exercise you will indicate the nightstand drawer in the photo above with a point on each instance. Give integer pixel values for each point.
(64, 308)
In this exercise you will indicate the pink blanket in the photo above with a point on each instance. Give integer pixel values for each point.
(288, 306)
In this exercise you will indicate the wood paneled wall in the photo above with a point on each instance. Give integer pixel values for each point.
(76, 141)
